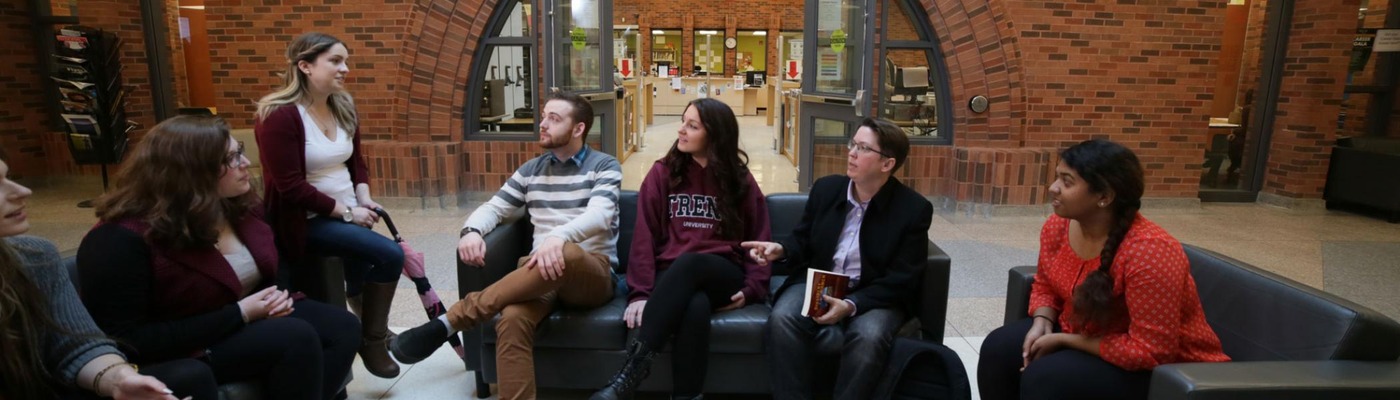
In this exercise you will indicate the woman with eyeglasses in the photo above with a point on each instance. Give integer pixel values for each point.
(182, 266)
(883, 258)
(317, 186)
(694, 208)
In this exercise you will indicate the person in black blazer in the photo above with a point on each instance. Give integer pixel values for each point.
(865, 224)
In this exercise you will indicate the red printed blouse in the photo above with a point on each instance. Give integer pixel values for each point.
(1165, 321)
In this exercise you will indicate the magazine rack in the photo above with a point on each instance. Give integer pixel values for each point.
(85, 67)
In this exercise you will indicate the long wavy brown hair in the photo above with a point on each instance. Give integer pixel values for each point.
(24, 322)
(728, 164)
(171, 182)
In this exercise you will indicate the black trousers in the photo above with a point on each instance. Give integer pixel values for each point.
(305, 355)
(795, 341)
(1065, 374)
(680, 305)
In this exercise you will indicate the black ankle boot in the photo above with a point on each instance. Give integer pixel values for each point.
(625, 383)
(418, 343)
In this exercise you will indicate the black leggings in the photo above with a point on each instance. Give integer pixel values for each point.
(681, 303)
(1064, 374)
(306, 355)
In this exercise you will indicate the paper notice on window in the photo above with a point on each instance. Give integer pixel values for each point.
(676, 83)
(1387, 40)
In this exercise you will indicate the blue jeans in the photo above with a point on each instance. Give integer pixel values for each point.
(366, 255)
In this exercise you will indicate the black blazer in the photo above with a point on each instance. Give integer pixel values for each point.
(893, 241)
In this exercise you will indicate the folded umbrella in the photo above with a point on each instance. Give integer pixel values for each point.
(413, 268)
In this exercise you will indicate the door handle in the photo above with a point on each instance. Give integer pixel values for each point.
(860, 103)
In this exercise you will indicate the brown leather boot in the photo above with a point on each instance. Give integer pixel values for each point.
(374, 329)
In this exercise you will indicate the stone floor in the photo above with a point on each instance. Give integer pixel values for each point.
(1348, 255)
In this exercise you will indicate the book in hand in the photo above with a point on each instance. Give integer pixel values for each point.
(823, 283)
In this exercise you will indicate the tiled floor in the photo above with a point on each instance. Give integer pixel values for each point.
(1345, 254)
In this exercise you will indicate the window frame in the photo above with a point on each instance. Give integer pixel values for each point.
(471, 124)
(929, 43)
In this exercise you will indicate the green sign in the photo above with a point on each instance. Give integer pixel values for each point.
(838, 40)
(578, 36)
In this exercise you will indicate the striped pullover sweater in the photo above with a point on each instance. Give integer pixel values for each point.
(575, 199)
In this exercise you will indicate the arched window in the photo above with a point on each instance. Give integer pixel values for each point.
(913, 88)
(504, 87)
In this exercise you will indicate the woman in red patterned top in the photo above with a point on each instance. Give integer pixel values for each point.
(1113, 296)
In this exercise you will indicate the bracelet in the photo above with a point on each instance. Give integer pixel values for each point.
(98, 379)
(1052, 320)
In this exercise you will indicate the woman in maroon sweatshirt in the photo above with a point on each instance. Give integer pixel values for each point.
(694, 208)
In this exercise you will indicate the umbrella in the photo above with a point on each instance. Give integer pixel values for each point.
(413, 269)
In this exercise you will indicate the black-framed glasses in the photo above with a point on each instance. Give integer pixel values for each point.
(235, 159)
(862, 149)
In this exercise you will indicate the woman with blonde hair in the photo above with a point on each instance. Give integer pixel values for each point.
(317, 186)
(182, 266)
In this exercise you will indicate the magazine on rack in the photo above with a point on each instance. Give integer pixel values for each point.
(823, 283)
(82, 124)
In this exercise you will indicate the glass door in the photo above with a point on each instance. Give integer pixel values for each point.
(836, 56)
(579, 59)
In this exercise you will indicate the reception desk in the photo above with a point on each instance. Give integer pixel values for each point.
(670, 100)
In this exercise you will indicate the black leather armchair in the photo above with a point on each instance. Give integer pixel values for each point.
(1361, 172)
(1287, 340)
(581, 349)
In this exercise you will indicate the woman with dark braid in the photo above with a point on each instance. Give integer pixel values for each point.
(1113, 294)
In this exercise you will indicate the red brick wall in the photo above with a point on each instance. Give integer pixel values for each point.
(1305, 125)
(1142, 74)
(22, 114)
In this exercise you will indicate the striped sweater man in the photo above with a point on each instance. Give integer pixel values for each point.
(575, 200)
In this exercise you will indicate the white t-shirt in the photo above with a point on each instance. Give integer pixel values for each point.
(244, 266)
(325, 161)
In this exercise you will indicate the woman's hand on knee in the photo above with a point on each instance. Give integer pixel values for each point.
(1039, 328)
(1045, 345)
(738, 302)
(633, 315)
(141, 387)
(266, 303)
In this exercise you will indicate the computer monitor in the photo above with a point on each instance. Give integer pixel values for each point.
(754, 78)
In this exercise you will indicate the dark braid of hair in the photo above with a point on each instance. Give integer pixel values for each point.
(1094, 301)
(1107, 167)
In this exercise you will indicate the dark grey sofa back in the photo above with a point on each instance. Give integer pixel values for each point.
(625, 225)
(1260, 316)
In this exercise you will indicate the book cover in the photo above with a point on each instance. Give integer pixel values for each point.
(823, 283)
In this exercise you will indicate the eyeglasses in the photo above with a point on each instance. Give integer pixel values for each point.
(862, 149)
(236, 159)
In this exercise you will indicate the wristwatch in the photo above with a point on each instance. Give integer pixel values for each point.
(349, 215)
(469, 229)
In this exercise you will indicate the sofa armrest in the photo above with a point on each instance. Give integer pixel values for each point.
(1018, 293)
(1293, 380)
(504, 247)
(933, 294)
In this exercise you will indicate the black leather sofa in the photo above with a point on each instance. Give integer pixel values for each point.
(1287, 340)
(1362, 172)
(582, 349)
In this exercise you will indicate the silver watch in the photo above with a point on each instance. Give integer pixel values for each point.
(348, 216)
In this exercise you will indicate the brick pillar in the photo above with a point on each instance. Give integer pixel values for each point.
(1305, 125)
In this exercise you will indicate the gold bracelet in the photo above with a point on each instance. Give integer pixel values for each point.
(98, 379)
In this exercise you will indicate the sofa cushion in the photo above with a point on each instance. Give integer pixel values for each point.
(733, 332)
(1260, 316)
(596, 329)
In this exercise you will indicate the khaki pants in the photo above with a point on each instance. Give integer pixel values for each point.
(523, 298)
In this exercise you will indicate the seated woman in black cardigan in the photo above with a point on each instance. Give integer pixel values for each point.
(182, 266)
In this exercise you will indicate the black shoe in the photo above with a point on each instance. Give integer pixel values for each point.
(416, 344)
(625, 383)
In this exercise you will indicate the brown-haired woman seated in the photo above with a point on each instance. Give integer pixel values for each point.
(51, 348)
(1113, 294)
(182, 266)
